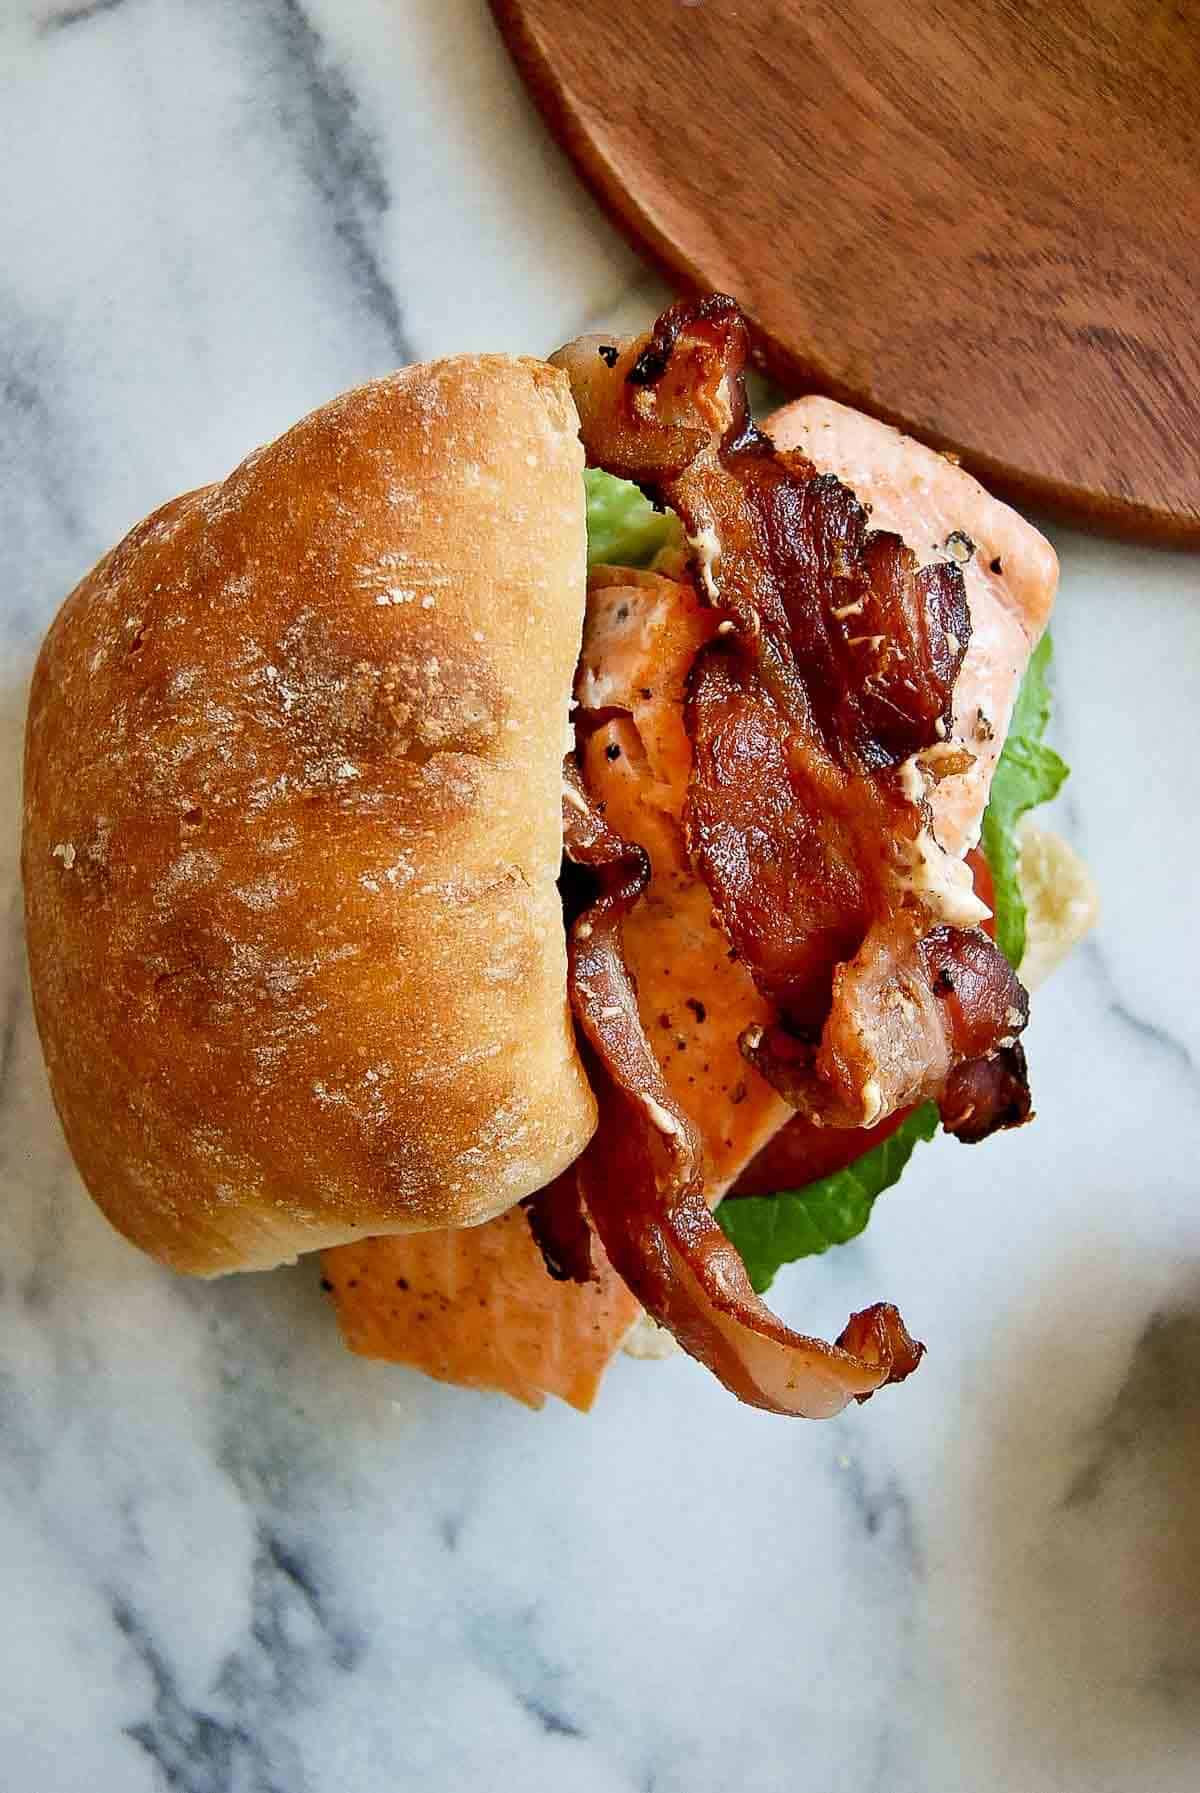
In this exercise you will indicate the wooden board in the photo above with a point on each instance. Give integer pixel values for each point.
(980, 221)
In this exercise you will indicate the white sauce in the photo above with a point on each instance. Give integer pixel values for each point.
(666, 1123)
(707, 547)
(943, 883)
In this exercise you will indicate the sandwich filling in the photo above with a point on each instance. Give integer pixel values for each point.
(777, 928)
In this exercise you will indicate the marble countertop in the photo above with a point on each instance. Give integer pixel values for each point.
(235, 1558)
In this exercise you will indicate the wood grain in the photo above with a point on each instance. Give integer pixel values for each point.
(980, 221)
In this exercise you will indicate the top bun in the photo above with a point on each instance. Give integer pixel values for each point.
(292, 830)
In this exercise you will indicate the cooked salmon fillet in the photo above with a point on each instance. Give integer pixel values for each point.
(642, 634)
(477, 1306)
(1009, 569)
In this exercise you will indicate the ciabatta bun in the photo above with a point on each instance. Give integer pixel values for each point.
(292, 830)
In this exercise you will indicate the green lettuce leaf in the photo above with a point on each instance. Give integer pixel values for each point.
(1028, 773)
(624, 529)
(770, 1230)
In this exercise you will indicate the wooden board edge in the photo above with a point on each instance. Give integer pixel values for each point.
(1079, 507)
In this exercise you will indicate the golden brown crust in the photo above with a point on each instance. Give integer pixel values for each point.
(292, 830)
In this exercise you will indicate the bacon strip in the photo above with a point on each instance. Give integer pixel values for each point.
(816, 719)
(642, 1182)
(912, 1017)
(987, 1094)
(559, 1225)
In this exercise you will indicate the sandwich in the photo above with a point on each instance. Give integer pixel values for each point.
(553, 847)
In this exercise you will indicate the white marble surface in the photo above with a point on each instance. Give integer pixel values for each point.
(236, 1559)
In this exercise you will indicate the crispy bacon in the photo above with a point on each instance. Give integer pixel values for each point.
(559, 1224)
(832, 674)
(857, 642)
(912, 1017)
(641, 1178)
(984, 1095)
(797, 854)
